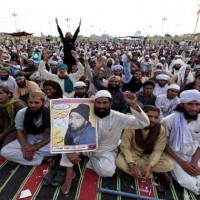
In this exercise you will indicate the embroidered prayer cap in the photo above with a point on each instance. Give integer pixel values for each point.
(30, 60)
(79, 84)
(7, 69)
(103, 93)
(114, 76)
(4, 88)
(117, 67)
(36, 93)
(62, 66)
(83, 110)
(174, 87)
(190, 95)
(162, 77)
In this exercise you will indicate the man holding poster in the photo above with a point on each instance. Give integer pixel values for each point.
(110, 125)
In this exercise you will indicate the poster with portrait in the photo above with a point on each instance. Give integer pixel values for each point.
(73, 125)
(36, 56)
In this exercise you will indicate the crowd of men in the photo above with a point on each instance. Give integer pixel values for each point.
(146, 100)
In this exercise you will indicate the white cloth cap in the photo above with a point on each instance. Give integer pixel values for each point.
(79, 84)
(189, 95)
(147, 56)
(174, 87)
(103, 93)
(162, 58)
(54, 54)
(162, 77)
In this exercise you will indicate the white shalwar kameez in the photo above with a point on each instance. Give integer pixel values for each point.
(166, 105)
(186, 152)
(109, 130)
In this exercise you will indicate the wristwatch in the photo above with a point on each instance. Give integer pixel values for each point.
(131, 165)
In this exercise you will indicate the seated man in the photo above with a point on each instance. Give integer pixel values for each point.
(8, 110)
(146, 96)
(23, 88)
(33, 131)
(167, 102)
(142, 149)
(80, 130)
(110, 124)
(183, 134)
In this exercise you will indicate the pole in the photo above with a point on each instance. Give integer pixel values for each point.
(125, 194)
(14, 15)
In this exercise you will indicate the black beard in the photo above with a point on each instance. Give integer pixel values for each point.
(188, 116)
(101, 114)
(5, 78)
(76, 130)
(22, 85)
(113, 89)
(35, 113)
(79, 95)
(176, 68)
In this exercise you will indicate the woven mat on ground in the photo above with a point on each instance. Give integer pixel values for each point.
(15, 179)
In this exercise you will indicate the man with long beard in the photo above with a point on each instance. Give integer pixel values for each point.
(80, 89)
(6, 79)
(113, 87)
(110, 125)
(183, 134)
(24, 87)
(33, 133)
(65, 80)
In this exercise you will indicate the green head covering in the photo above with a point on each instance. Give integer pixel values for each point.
(7, 69)
(61, 65)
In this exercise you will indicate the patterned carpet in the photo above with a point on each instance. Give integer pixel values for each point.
(15, 179)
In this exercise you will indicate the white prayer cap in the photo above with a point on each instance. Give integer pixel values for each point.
(174, 87)
(153, 54)
(157, 70)
(162, 58)
(54, 54)
(79, 84)
(197, 67)
(53, 62)
(117, 67)
(103, 93)
(159, 64)
(162, 77)
(189, 95)
(146, 56)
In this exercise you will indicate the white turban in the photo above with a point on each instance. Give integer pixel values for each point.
(103, 93)
(162, 77)
(173, 87)
(189, 95)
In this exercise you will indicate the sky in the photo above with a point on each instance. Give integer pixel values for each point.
(113, 17)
